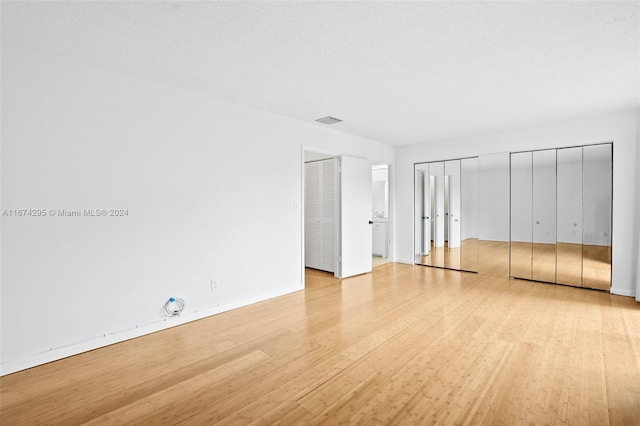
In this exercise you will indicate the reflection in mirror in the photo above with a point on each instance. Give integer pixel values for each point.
(596, 237)
(469, 214)
(521, 214)
(452, 214)
(421, 172)
(569, 216)
(436, 201)
(544, 216)
(493, 214)
(439, 217)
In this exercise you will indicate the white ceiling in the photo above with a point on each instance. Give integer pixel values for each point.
(396, 72)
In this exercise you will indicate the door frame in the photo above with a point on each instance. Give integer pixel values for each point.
(331, 154)
(328, 154)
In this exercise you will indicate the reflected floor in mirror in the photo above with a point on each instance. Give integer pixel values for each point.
(494, 258)
(596, 267)
(572, 264)
(404, 345)
(443, 257)
(483, 256)
(463, 257)
(533, 261)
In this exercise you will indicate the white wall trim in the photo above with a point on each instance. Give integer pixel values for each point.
(110, 339)
(622, 292)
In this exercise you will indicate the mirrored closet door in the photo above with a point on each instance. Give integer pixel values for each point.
(493, 214)
(446, 230)
(521, 215)
(469, 227)
(561, 216)
(543, 253)
(569, 220)
(597, 184)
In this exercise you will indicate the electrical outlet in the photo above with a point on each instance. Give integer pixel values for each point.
(214, 285)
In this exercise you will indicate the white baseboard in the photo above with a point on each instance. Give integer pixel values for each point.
(623, 292)
(163, 324)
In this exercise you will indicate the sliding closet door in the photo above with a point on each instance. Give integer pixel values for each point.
(543, 260)
(521, 215)
(569, 216)
(596, 204)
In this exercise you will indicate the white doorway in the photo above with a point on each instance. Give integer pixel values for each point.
(351, 243)
(381, 245)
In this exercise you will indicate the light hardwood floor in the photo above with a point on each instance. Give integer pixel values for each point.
(403, 345)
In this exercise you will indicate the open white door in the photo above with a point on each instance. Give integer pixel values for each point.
(355, 217)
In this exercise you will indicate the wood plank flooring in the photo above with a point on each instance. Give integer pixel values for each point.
(403, 345)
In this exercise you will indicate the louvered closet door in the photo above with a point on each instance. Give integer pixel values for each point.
(328, 217)
(320, 223)
(312, 229)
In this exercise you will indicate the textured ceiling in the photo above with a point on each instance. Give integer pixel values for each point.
(396, 72)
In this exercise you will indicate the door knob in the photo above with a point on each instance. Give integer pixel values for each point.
(370, 222)
(538, 222)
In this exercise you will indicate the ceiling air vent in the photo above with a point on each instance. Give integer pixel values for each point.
(329, 120)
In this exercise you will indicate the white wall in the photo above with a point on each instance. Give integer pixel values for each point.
(637, 245)
(621, 128)
(211, 187)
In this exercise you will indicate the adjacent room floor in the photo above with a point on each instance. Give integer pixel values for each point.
(378, 260)
(402, 345)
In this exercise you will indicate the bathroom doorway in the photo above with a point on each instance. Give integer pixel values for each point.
(381, 247)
